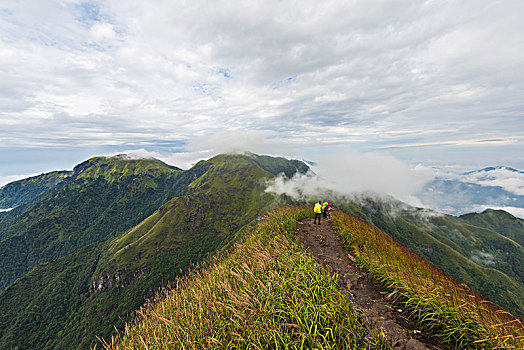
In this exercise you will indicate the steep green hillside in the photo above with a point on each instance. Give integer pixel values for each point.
(439, 304)
(23, 191)
(102, 197)
(499, 221)
(279, 165)
(269, 293)
(67, 303)
(487, 261)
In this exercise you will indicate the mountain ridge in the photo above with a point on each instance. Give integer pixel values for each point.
(197, 213)
(20, 192)
(107, 196)
(491, 168)
(115, 276)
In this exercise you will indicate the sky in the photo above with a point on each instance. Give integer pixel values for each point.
(432, 83)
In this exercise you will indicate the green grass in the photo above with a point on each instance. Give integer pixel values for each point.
(267, 293)
(212, 204)
(457, 246)
(437, 302)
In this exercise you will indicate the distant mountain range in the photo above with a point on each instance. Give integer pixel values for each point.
(84, 249)
(474, 191)
(489, 170)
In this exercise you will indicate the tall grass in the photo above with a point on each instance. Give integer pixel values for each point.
(440, 304)
(267, 293)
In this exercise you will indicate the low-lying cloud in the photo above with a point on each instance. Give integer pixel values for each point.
(350, 173)
(456, 192)
(509, 179)
(483, 258)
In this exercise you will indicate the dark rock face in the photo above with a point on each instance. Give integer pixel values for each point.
(118, 279)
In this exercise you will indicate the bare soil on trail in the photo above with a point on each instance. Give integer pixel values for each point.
(375, 309)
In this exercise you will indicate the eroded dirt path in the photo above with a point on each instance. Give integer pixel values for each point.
(322, 241)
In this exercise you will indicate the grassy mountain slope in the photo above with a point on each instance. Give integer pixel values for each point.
(100, 286)
(211, 208)
(487, 261)
(278, 165)
(23, 191)
(270, 293)
(499, 221)
(440, 304)
(102, 197)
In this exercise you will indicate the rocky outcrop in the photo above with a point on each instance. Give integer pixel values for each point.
(118, 279)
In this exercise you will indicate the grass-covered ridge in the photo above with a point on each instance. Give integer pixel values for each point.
(268, 293)
(499, 221)
(23, 191)
(479, 253)
(66, 303)
(439, 303)
(121, 166)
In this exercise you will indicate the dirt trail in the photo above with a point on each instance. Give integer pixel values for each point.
(322, 241)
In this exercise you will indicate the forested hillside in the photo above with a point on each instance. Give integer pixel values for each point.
(498, 221)
(23, 191)
(67, 303)
(102, 197)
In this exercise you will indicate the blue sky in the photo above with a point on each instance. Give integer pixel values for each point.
(431, 82)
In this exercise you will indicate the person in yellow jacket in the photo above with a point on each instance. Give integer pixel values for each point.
(318, 211)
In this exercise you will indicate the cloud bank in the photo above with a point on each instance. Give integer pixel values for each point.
(352, 173)
(377, 75)
(433, 82)
(509, 179)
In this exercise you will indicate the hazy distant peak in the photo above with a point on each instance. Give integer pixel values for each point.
(490, 169)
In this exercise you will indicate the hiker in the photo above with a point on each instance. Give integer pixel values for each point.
(318, 211)
(325, 208)
(329, 208)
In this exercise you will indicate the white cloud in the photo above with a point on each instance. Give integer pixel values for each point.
(349, 173)
(101, 31)
(483, 258)
(256, 141)
(183, 160)
(381, 73)
(509, 180)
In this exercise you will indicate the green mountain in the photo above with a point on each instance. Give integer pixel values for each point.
(23, 191)
(499, 221)
(269, 291)
(105, 239)
(469, 248)
(66, 303)
(101, 197)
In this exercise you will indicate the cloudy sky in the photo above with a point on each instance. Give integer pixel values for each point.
(432, 82)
